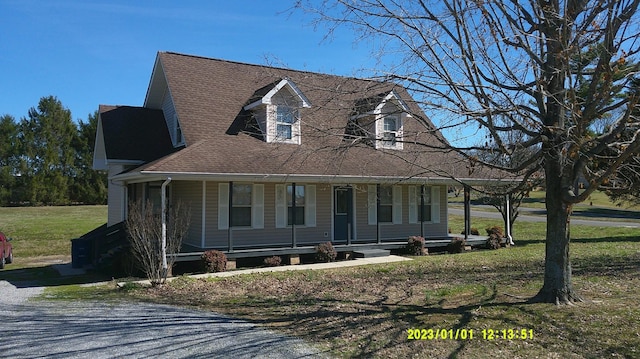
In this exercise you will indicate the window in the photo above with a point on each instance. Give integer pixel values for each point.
(178, 133)
(385, 210)
(298, 211)
(241, 205)
(424, 204)
(424, 216)
(390, 128)
(304, 199)
(285, 118)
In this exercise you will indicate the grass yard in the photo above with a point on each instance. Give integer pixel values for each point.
(47, 231)
(367, 312)
(598, 202)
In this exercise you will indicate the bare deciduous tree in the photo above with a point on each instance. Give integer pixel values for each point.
(552, 70)
(144, 228)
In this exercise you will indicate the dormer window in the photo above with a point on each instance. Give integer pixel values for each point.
(286, 117)
(381, 119)
(178, 134)
(276, 108)
(390, 131)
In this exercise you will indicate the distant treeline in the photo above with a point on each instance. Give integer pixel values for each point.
(46, 158)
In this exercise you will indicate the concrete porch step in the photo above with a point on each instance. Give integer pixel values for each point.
(370, 253)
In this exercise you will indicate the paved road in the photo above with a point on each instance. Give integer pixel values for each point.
(61, 329)
(531, 215)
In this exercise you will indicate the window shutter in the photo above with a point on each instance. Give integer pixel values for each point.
(413, 204)
(310, 206)
(397, 204)
(435, 204)
(372, 204)
(223, 206)
(257, 206)
(281, 206)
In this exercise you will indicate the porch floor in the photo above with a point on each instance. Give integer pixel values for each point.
(192, 253)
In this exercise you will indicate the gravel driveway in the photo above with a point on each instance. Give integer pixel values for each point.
(62, 329)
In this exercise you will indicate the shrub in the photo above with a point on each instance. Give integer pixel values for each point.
(273, 261)
(325, 252)
(495, 234)
(415, 246)
(457, 245)
(214, 261)
(497, 230)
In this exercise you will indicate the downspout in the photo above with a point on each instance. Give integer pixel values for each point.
(163, 195)
(507, 222)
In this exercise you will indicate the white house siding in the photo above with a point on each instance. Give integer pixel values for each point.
(190, 192)
(117, 197)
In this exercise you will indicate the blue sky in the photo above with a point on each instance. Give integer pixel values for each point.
(91, 52)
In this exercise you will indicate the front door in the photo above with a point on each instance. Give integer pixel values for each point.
(342, 214)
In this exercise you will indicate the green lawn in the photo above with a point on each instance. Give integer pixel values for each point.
(42, 231)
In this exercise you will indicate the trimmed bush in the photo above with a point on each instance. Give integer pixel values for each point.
(274, 261)
(325, 252)
(415, 246)
(457, 245)
(214, 261)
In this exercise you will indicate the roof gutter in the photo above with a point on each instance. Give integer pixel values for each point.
(147, 176)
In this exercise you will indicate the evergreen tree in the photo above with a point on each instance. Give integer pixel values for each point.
(47, 163)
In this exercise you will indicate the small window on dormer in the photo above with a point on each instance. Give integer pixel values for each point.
(285, 119)
(390, 131)
(178, 131)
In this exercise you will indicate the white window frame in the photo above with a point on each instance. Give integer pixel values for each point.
(433, 206)
(390, 136)
(396, 205)
(257, 206)
(282, 206)
(290, 113)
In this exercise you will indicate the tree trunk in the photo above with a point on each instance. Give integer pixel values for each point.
(557, 287)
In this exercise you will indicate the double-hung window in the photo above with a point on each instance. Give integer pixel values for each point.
(424, 211)
(285, 118)
(295, 205)
(241, 205)
(385, 209)
(390, 131)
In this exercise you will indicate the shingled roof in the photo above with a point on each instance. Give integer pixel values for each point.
(220, 137)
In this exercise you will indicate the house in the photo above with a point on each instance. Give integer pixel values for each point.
(275, 161)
